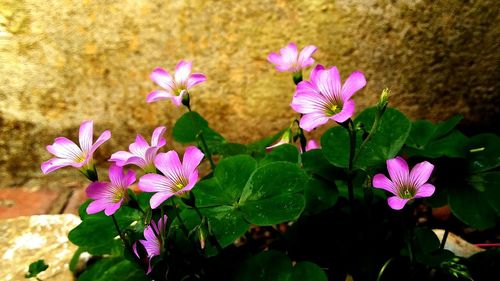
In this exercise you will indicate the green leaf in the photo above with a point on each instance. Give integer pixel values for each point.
(231, 149)
(385, 143)
(275, 266)
(314, 162)
(113, 269)
(101, 226)
(35, 268)
(484, 152)
(239, 194)
(73, 263)
(489, 183)
(307, 271)
(469, 206)
(447, 126)
(190, 125)
(335, 145)
(451, 145)
(320, 195)
(285, 152)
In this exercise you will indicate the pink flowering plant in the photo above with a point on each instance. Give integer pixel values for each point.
(287, 207)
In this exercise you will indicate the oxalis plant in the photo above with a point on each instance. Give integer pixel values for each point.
(286, 207)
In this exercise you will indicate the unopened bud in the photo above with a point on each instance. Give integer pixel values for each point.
(202, 236)
(384, 99)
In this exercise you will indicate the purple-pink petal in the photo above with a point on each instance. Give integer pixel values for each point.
(346, 112)
(425, 190)
(96, 206)
(112, 208)
(54, 164)
(182, 71)
(421, 173)
(192, 158)
(309, 102)
(396, 203)
(97, 190)
(121, 157)
(154, 183)
(158, 95)
(398, 170)
(274, 58)
(382, 182)
(86, 135)
(168, 162)
(311, 121)
(65, 148)
(159, 198)
(312, 144)
(195, 79)
(161, 77)
(314, 77)
(106, 135)
(157, 138)
(329, 84)
(305, 59)
(354, 83)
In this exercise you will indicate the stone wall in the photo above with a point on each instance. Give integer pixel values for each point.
(65, 61)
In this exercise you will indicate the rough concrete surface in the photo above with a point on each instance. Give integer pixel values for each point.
(62, 62)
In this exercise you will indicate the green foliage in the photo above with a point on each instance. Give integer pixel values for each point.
(275, 266)
(189, 127)
(96, 233)
(114, 269)
(240, 194)
(35, 268)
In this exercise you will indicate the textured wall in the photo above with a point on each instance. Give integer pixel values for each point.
(65, 61)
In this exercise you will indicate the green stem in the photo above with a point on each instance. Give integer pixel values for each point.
(443, 241)
(384, 267)
(120, 233)
(211, 236)
(302, 137)
(370, 134)
(181, 222)
(349, 126)
(207, 151)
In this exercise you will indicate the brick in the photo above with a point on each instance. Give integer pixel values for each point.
(15, 202)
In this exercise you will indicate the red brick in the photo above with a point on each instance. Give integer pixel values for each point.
(16, 202)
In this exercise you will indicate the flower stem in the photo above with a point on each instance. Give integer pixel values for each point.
(207, 151)
(181, 222)
(211, 237)
(120, 233)
(443, 241)
(200, 135)
(384, 267)
(349, 126)
(302, 137)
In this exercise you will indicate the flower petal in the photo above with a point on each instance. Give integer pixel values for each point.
(97, 190)
(274, 58)
(195, 79)
(161, 77)
(312, 144)
(421, 173)
(309, 102)
(138, 148)
(120, 157)
(159, 198)
(315, 73)
(96, 206)
(329, 84)
(106, 135)
(182, 71)
(54, 164)
(311, 121)
(116, 175)
(398, 171)
(305, 59)
(168, 162)
(354, 83)
(111, 208)
(346, 112)
(157, 138)
(158, 95)
(289, 54)
(177, 100)
(154, 183)
(396, 203)
(64, 148)
(425, 190)
(382, 182)
(192, 158)
(85, 135)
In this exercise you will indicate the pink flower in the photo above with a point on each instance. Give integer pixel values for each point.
(324, 97)
(109, 196)
(177, 86)
(177, 179)
(154, 234)
(69, 154)
(290, 60)
(141, 153)
(403, 184)
(312, 144)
